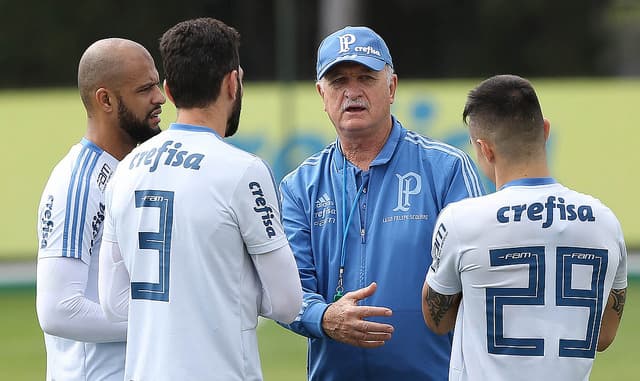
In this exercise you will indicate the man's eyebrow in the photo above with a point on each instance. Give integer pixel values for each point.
(147, 85)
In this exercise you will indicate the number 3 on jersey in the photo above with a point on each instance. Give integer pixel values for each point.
(159, 241)
(533, 295)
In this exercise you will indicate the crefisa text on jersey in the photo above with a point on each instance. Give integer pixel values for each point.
(173, 157)
(539, 211)
(96, 224)
(47, 222)
(265, 211)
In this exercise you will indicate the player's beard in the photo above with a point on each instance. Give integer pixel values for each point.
(234, 119)
(138, 129)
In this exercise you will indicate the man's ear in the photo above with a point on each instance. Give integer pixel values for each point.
(547, 128)
(319, 89)
(167, 91)
(104, 99)
(233, 84)
(487, 150)
(393, 85)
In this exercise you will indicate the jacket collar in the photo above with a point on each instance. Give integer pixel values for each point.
(385, 155)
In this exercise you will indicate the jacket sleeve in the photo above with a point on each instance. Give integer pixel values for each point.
(465, 180)
(296, 225)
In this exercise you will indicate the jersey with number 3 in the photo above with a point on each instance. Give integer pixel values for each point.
(187, 210)
(535, 263)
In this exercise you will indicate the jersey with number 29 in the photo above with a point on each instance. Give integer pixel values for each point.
(187, 210)
(535, 263)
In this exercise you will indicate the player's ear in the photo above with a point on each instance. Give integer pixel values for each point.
(487, 150)
(105, 99)
(547, 128)
(167, 91)
(233, 83)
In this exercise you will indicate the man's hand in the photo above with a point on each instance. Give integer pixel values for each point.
(344, 321)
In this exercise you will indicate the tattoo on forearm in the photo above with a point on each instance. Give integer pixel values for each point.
(438, 304)
(619, 297)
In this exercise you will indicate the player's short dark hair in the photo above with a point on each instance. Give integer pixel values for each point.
(196, 55)
(508, 102)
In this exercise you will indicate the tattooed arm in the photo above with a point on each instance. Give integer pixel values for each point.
(611, 318)
(439, 311)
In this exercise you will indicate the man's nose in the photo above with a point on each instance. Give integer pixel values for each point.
(159, 97)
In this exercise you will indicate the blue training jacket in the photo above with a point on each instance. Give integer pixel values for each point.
(388, 241)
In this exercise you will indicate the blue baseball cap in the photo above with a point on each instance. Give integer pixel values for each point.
(353, 44)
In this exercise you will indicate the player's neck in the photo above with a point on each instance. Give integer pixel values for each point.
(209, 117)
(115, 141)
(507, 173)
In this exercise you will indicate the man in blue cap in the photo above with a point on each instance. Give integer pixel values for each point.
(359, 216)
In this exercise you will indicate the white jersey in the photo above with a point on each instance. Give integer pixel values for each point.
(535, 263)
(71, 215)
(186, 210)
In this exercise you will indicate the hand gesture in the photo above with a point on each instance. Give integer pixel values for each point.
(344, 320)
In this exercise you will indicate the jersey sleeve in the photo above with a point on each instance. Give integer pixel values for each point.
(620, 279)
(281, 291)
(70, 214)
(256, 206)
(109, 229)
(114, 283)
(444, 275)
(64, 311)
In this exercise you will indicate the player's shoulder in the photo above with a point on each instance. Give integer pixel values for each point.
(584, 199)
(66, 164)
(81, 162)
(62, 169)
(475, 206)
(475, 213)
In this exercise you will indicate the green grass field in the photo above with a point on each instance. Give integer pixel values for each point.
(283, 353)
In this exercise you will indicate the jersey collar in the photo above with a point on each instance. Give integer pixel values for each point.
(95, 148)
(91, 145)
(192, 128)
(528, 182)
